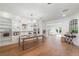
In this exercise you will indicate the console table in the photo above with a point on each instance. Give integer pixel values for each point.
(25, 37)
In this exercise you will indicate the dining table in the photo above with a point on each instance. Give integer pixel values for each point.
(23, 38)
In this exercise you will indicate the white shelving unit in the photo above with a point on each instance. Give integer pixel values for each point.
(5, 27)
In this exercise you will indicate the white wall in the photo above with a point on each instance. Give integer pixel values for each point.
(64, 23)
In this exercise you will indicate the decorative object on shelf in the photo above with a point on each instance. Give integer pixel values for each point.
(35, 31)
(15, 33)
(24, 26)
(6, 34)
(38, 31)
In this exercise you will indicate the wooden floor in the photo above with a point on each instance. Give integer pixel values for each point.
(50, 47)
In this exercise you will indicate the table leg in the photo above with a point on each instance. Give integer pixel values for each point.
(42, 38)
(37, 38)
(19, 41)
(23, 44)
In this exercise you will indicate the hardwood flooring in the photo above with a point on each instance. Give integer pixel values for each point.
(52, 46)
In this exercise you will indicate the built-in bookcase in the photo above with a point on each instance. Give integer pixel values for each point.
(5, 29)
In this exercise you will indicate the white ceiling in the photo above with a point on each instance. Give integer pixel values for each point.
(39, 10)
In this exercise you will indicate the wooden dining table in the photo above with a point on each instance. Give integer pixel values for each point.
(23, 38)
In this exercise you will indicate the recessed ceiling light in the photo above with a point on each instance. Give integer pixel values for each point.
(34, 21)
(64, 15)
